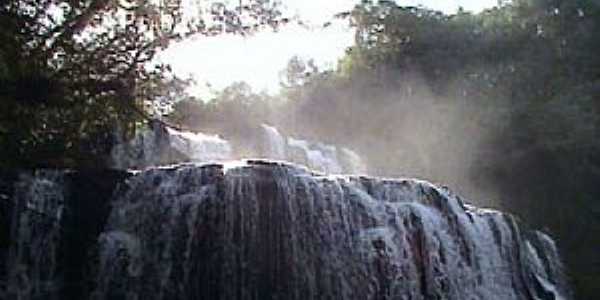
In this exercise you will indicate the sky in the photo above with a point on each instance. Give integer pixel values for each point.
(216, 62)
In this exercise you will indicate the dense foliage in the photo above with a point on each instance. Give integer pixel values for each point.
(501, 105)
(73, 71)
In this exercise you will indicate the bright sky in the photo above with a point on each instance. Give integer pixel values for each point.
(259, 59)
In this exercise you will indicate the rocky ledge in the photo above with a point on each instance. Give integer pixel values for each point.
(260, 230)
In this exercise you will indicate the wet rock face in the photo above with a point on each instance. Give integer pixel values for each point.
(50, 222)
(261, 230)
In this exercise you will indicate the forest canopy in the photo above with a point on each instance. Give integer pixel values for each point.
(73, 71)
(501, 105)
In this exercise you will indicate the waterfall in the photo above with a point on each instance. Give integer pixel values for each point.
(315, 155)
(31, 260)
(200, 147)
(319, 157)
(267, 230)
(275, 142)
(160, 145)
(350, 160)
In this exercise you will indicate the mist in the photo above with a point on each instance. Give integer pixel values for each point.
(500, 112)
(500, 105)
(400, 127)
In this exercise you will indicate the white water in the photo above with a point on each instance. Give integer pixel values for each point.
(315, 155)
(275, 142)
(267, 230)
(163, 146)
(200, 147)
(353, 161)
(311, 237)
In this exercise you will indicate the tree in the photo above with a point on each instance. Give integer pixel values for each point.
(70, 71)
(297, 72)
(501, 104)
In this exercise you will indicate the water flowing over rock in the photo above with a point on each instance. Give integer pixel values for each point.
(32, 258)
(200, 147)
(161, 145)
(315, 155)
(262, 230)
(275, 142)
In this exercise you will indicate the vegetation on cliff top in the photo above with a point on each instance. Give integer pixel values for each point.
(500, 105)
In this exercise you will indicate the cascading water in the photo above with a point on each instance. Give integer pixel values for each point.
(200, 147)
(315, 155)
(319, 158)
(350, 160)
(162, 145)
(31, 267)
(275, 142)
(264, 230)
